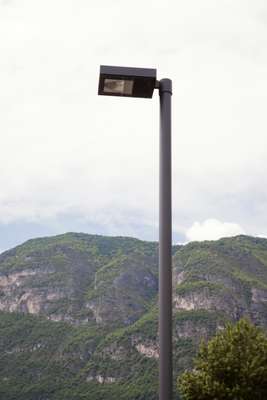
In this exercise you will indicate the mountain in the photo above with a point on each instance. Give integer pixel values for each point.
(79, 312)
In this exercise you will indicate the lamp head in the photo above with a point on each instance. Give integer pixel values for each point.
(128, 82)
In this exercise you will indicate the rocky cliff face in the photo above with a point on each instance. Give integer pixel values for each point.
(80, 279)
(84, 307)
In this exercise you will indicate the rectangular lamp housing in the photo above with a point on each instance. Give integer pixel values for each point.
(127, 82)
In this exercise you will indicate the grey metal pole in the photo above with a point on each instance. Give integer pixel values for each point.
(165, 244)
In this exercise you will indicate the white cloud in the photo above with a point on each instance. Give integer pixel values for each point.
(262, 235)
(212, 229)
(64, 150)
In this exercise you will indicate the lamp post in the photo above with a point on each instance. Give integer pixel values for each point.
(141, 82)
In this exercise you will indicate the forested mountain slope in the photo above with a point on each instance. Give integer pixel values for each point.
(79, 312)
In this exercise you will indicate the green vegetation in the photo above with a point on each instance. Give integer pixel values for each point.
(232, 365)
(94, 334)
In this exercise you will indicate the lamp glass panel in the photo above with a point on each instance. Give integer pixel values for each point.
(118, 86)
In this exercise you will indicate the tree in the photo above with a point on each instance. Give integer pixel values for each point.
(231, 366)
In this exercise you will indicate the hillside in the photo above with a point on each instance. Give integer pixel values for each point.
(79, 312)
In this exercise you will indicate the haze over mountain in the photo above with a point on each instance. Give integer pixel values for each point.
(79, 312)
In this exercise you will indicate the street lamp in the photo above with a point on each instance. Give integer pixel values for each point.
(141, 82)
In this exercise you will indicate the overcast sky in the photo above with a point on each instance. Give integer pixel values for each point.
(73, 161)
